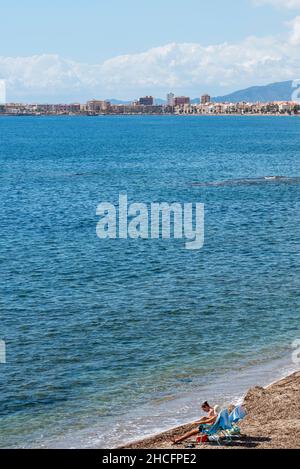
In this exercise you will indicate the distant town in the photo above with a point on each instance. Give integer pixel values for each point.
(178, 105)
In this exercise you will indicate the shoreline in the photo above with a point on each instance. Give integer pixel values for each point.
(173, 411)
(272, 421)
(232, 114)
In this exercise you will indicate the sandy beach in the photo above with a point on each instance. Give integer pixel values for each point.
(272, 421)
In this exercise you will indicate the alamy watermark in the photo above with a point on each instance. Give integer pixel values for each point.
(296, 352)
(2, 92)
(2, 351)
(152, 221)
(296, 93)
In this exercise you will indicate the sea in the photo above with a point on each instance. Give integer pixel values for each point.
(110, 340)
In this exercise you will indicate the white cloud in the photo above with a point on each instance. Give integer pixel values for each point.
(295, 33)
(187, 65)
(292, 4)
(184, 67)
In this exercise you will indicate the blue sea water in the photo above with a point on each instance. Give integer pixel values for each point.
(111, 339)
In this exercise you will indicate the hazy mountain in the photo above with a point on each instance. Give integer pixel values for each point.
(157, 101)
(118, 101)
(281, 91)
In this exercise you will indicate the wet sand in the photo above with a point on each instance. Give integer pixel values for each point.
(272, 421)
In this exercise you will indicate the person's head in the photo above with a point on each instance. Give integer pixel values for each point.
(205, 406)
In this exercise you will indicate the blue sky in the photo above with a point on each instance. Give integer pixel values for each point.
(94, 30)
(72, 50)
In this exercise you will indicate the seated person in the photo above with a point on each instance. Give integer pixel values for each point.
(212, 414)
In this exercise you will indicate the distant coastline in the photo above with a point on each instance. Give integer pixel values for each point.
(180, 105)
(154, 115)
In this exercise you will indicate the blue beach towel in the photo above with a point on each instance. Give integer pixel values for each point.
(222, 423)
(237, 414)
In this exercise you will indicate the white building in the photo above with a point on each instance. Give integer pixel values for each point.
(170, 99)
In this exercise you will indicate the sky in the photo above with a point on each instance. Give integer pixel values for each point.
(71, 51)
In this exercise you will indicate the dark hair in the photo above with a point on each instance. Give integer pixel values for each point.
(205, 404)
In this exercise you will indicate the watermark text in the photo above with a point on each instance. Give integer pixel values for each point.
(152, 221)
(2, 351)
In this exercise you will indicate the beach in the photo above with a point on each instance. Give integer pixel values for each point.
(272, 421)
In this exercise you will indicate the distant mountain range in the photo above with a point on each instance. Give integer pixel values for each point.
(280, 91)
(157, 101)
(118, 101)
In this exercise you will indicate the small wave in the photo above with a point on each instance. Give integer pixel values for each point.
(249, 181)
(90, 173)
